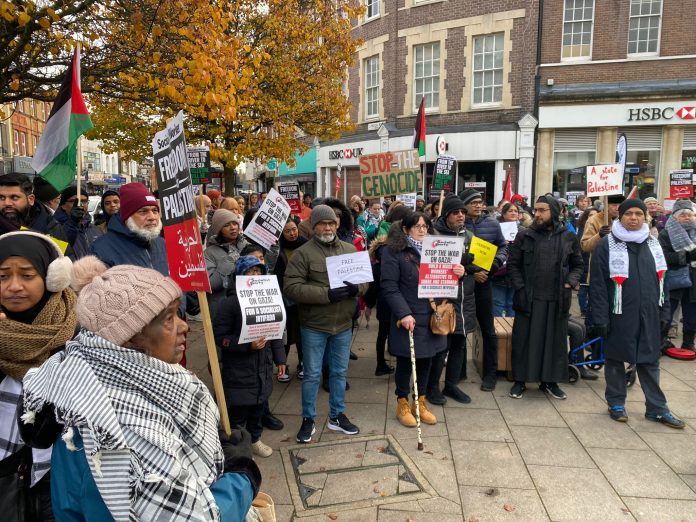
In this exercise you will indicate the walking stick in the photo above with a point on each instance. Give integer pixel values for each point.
(415, 388)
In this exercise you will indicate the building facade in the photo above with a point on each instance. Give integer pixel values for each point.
(611, 68)
(21, 128)
(472, 62)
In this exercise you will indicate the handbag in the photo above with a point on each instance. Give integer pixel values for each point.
(14, 484)
(678, 278)
(265, 507)
(442, 321)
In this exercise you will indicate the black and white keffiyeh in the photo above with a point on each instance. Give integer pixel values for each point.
(149, 428)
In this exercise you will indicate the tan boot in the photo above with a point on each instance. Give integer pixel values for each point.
(403, 413)
(426, 416)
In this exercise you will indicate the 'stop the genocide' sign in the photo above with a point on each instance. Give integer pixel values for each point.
(389, 173)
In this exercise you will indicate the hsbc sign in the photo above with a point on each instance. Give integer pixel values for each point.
(662, 113)
(581, 115)
(345, 153)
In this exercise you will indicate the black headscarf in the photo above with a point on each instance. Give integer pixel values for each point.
(554, 205)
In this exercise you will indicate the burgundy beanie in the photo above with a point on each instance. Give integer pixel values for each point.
(135, 196)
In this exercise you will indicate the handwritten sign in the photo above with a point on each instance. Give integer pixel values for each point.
(290, 190)
(435, 276)
(390, 173)
(268, 223)
(445, 170)
(409, 200)
(509, 230)
(681, 184)
(484, 252)
(604, 180)
(354, 268)
(181, 234)
(263, 313)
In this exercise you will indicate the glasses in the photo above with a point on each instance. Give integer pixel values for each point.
(420, 227)
(458, 212)
(477, 203)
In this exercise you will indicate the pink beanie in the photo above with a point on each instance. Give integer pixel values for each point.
(118, 303)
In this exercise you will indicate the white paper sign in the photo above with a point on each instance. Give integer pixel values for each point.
(604, 180)
(408, 199)
(509, 229)
(263, 313)
(354, 268)
(269, 221)
(435, 276)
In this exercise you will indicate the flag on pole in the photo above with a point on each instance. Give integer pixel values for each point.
(507, 195)
(419, 131)
(55, 159)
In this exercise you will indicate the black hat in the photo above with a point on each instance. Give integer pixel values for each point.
(553, 204)
(44, 191)
(451, 204)
(632, 203)
(468, 195)
(616, 198)
(67, 194)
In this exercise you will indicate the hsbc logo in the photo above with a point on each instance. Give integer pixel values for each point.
(687, 113)
(659, 113)
(345, 153)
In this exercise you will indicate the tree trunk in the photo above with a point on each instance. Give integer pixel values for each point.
(229, 179)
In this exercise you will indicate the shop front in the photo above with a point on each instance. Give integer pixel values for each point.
(304, 171)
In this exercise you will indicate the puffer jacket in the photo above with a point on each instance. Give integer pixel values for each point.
(306, 282)
(488, 229)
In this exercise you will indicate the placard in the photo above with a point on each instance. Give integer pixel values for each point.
(681, 184)
(444, 173)
(509, 229)
(409, 200)
(268, 222)
(263, 313)
(604, 180)
(483, 252)
(572, 196)
(199, 163)
(355, 268)
(290, 190)
(389, 173)
(435, 276)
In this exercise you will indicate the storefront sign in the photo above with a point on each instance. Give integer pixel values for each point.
(681, 184)
(618, 114)
(604, 180)
(22, 165)
(445, 170)
(390, 173)
(290, 190)
(354, 268)
(345, 153)
(269, 221)
(263, 313)
(435, 276)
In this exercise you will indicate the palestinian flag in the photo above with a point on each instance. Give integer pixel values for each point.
(419, 131)
(55, 159)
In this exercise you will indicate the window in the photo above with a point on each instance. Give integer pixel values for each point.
(427, 75)
(488, 69)
(644, 26)
(372, 87)
(16, 143)
(34, 143)
(23, 144)
(372, 9)
(20, 105)
(32, 108)
(577, 28)
(43, 111)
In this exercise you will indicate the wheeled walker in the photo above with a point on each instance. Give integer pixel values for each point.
(594, 361)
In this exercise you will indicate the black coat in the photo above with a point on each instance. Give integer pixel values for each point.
(374, 297)
(677, 260)
(247, 375)
(634, 336)
(399, 288)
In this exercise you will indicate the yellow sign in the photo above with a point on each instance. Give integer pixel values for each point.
(483, 252)
(61, 244)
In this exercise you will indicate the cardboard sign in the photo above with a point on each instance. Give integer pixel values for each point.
(290, 190)
(181, 233)
(604, 180)
(409, 200)
(199, 163)
(681, 184)
(268, 223)
(444, 173)
(389, 173)
(354, 268)
(484, 252)
(509, 229)
(435, 276)
(572, 197)
(263, 313)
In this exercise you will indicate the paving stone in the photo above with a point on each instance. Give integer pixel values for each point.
(660, 510)
(284, 512)
(690, 480)
(370, 420)
(571, 494)
(286, 436)
(493, 464)
(529, 412)
(324, 458)
(479, 399)
(388, 515)
(669, 383)
(367, 391)
(678, 450)
(682, 403)
(439, 505)
(274, 478)
(487, 425)
(378, 452)
(435, 463)
(411, 505)
(683, 370)
(368, 514)
(290, 402)
(637, 473)
(580, 400)
(550, 447)
(599, 431)
(352, 486)
(489, 504)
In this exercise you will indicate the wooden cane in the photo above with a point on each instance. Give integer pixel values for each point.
(442, 198)
(412, 349)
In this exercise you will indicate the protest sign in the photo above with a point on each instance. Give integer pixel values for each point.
(483, 252)
(572, 196)
(263, 313)
(199, 164)
(444, 173)
(681, 184)
(268, 223)
(604, 180)
(354, 268)
(390, 173)
(409, 200)
(435, 276)
(509, 229)
(181, 234)
(290, 190)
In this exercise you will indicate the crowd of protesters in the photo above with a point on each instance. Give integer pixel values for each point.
(96, 403)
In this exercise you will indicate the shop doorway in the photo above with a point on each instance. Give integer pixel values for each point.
(478, 172)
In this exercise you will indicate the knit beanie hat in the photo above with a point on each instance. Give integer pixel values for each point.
(135, 196)
(44, 191)
(67, 194)
(468, 195)
(516, 198)
(322, 213)
(246, 263)
(650, 199)
(117, 303)
(682, 205)
(212, 194)
(631, 203)
(451, 204)
(44, 255)
(221, 217)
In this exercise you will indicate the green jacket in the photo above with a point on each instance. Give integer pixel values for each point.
(306, 282)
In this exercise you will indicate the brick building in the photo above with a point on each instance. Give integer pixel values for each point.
(608, 68)
(473, 62)
(26, 125)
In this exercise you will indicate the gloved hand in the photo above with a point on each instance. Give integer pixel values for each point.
(77, 213)
(604, 231)
(238, 444)
(338, 294)
(467, 259)
(352, 289)
(691, 255)
(601, 330)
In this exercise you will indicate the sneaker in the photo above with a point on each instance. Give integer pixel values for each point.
(261, 449)
(306, 431)
(553, 389)
(353, 356)
(489, 382)
(300, 371)
(667, 418)
(618, 413)
(517, 390)
(284, 378)
(342, 424)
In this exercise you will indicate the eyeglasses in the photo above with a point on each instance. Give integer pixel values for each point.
(477, 203)
(458, 212)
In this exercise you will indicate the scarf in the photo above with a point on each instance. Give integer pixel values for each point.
(149, 428)
(417, 245)
(618, 259)
(24, 346)
(681, 236)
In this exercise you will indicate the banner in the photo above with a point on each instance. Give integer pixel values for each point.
(621, 151)
(681, 184)
(263, 313)
(389, 173)
(509, 229)
(444, 173)
(435, 276)
(409, 200)
(199, 163)
(355, 268)
(604, 180)
(290, 190)
(181, 234)
(268, 222)
(483, 252)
